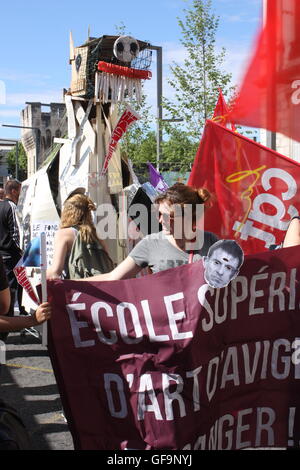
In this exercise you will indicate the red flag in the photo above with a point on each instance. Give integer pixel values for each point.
(269, 96)
(127, 118)
(31, 258)
(221, 112)
(254, 188)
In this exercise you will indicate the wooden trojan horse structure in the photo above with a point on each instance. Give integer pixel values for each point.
(106, 73)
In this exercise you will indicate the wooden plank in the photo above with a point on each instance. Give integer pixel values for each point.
(85, 129)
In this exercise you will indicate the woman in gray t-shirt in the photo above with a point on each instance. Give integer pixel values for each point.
(179, 210)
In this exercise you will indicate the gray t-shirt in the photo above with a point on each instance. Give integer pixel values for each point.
(157, 252)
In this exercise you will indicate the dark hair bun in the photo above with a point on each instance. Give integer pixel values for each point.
(204, 194)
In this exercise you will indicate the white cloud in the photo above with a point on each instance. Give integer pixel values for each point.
(240, 18)
(23, 77)
(173, 52)
(10, 113)
(19, 99)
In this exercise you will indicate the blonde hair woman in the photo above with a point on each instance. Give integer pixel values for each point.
(76, 218)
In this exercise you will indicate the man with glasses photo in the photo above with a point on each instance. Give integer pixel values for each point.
(222, 263)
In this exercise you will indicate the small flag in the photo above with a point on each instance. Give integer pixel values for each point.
(128, 117)
(31, 258)
(221, 113)
(156, 179)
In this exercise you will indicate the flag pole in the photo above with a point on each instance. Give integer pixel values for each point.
(44, 282)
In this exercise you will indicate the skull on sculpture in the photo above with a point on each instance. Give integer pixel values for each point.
(126, 48)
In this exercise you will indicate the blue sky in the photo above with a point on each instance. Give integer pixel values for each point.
(34, 38)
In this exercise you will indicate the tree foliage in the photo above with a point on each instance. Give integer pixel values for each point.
(139, 139)
(196, 84)
(197, 80)
(178, 150)
(22, 163)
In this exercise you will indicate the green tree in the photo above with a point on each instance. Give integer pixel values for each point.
(139, 139)
(178, 150)
(145, 150)
(22, 163)
(197, 80)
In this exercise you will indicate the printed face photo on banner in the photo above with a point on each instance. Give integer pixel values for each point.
(222, 263)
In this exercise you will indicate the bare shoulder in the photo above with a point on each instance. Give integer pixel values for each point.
(65, 234)
(292, 236)
(295, 222)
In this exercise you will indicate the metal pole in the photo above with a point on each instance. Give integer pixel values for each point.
(159, 96)
(8, 142)
(37, 148)
(37, 140)
(17, 160)
(159, 106)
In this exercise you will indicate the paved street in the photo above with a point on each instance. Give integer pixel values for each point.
(28, 384)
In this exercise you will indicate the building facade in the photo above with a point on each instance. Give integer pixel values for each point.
(5, 147)
(44, 122)
(282, 144)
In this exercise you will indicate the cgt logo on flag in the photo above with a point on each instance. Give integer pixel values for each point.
(31, 258)
(254, 189)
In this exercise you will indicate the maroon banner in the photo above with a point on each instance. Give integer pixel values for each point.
(167, 362)
(254, 189)
(269, 95)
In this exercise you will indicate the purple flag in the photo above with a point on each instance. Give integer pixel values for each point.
(156, 179)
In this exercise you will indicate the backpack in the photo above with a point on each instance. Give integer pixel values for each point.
(13, 434)
(88, 259)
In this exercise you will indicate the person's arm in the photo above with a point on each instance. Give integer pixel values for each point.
(42, 314)
(292, 236)
(125, 270)
(63, 241)
(4, 301)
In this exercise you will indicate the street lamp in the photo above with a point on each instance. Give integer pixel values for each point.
(37, 143)
(159, 97)
(8, 142)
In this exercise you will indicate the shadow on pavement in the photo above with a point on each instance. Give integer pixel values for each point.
(28, 384)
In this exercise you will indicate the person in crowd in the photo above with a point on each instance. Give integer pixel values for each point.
(9, 238)
(179, 242)
(222, 263)
(2, 194)
(292, 236)
(9, 433)
(76, 218)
